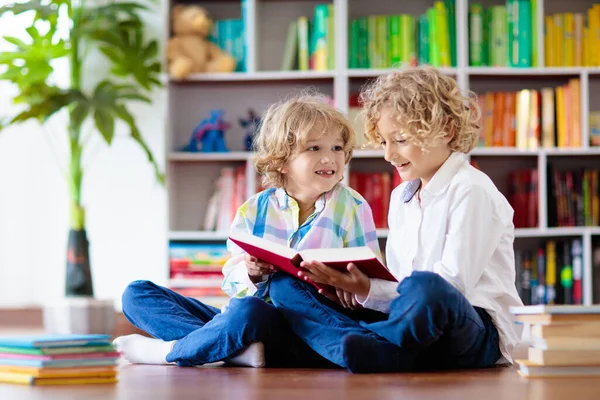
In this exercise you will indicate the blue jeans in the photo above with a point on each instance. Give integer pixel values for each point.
(431, 325)
(206, 335)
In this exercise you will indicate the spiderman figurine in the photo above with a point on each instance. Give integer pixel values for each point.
(211, 133)
(251, 124)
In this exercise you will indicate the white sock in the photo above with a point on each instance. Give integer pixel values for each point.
(253, 356)
(140, 349)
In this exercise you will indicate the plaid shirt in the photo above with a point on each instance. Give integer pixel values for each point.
(342, 218)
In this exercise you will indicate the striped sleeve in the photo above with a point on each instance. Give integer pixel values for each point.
(361, 228)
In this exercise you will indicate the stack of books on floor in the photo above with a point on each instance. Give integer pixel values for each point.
(565, 340)
(58, 360)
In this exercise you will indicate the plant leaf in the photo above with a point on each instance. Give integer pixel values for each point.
(105, 124)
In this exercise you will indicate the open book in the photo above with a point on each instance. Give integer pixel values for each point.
(288, 260)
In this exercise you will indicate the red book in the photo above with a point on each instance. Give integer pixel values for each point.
(288, 260)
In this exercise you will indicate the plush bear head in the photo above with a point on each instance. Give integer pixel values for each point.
(190, 20)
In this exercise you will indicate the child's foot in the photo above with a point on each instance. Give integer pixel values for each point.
(140, 349)
(364, 354)
(253, 356)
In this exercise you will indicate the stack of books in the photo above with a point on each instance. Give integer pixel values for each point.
(565, 340)
(58, 360)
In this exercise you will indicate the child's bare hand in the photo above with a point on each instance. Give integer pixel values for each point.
(347, 299)
(256, 268)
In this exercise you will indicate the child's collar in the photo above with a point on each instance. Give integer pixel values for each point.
(283, 199)
(440, 180)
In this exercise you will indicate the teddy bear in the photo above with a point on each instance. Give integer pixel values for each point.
(188, 50)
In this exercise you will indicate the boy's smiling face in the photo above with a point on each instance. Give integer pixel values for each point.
(409, 160)
(315, 167)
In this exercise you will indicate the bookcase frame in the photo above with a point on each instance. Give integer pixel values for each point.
(190, 176)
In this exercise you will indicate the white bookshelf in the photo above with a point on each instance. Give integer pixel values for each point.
(191, 176)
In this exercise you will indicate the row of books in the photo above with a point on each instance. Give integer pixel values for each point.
(523, 197)
(564, 340)
(196, 270)
(574, 197)
(310, 44)
(529, 118)
(551, 274)
(570, 40)
(228, 195)
(228, 34)
(58, 360)
(385, 41)
(502, 35)
(376, 188)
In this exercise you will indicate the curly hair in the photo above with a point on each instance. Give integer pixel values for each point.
(426, 105)
(288, 124)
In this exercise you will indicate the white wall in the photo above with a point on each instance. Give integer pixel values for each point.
(126, 208)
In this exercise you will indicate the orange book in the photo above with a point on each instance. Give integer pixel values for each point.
(548, 125)
(509, 137)
(488, 120)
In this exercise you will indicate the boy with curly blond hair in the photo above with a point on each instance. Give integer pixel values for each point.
(450, 245)
(302, 149)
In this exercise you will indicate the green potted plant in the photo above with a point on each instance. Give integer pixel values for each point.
(75, 31)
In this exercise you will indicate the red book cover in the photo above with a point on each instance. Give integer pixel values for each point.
(288, 260)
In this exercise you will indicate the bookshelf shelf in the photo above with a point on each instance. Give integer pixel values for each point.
(191, 178)
(198, 235)
(256, 76)
(200, 157)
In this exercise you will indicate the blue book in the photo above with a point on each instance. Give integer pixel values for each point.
(42, 341)
(84, 362)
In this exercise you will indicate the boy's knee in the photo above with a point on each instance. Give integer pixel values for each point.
(428, 287)
(252, 312)
(280, 285)
(135, 289)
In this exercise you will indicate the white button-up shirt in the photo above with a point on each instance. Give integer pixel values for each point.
(461, 229)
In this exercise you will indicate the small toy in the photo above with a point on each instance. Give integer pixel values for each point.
(211, 133)
(251, 124)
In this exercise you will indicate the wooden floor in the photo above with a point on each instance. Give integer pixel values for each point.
(170, 382)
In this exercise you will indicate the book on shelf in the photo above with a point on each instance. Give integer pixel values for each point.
(552, 274)
(288, 260)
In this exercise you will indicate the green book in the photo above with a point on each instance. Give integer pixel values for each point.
(534, 36)
(353, 54)
(408, 39)
(291, 48)
(442, 33)
(331, 37)
(434, 45)
(363, 46)
(382, 42)
(303, 44)
(371, 41)
(57, 350)
(524, 27)
(476, 35)
(512, 14)
(423, 40)
(451, 7)
(395, 41)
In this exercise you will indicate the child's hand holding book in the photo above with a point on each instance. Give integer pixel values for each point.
(347, 284)
(257, 269)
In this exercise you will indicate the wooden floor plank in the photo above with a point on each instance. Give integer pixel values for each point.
(170, 382)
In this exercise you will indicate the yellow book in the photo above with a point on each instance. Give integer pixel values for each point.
(569, 39)
(548, 48)
(25, 379)
(105, 372)
(558, 40)
(488, 119)
(575, 128)
(303, 64)
(548, 126)
(561, 128)
(585, 45)
(523, 112)
(441, 20)
(578, 39)
(593, 25)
